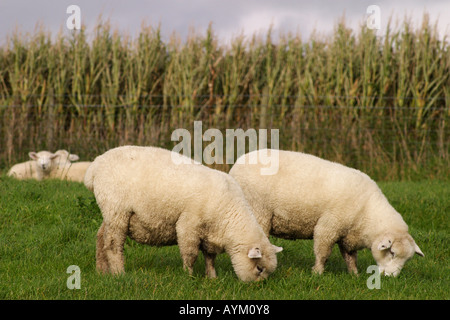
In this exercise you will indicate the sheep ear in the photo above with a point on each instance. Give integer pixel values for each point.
(74, 157)
(254, 253)
(54, 156)
(418, 251)
(384, 244)
(277, 249)
(33, 155)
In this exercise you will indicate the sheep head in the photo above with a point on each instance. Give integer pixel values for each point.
(392, 250)
(44, 160)
(255, 263)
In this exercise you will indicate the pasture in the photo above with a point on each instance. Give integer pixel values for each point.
(47, 226)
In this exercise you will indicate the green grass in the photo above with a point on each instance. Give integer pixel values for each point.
(47, 226)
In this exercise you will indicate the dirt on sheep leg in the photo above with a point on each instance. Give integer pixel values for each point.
(189, 258)
(101, 258)
(350, 259)
(115, 234)
(209, 264)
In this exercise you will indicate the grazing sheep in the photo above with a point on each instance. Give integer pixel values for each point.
(143, 194)
(314, 198)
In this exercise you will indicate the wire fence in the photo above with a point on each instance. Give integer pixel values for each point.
(156, 106)
(241, 95)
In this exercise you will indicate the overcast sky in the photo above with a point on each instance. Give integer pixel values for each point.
(228, 17)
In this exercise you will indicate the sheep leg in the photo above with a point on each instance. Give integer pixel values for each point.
(209, 264)
(189, 254)
(324, 238)
(322, 251)
(114, 237)
(188, 243)
(350, 258)
(101, 258)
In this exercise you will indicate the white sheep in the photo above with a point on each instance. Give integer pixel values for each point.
(77, 171)
(23, 170)
(42, 165)
(65, 168)
(143, 194)
(72, 171)
(314, 198)
(45, 163)
(66, 158)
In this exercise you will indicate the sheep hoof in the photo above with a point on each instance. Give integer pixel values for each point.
(354, 273)
(211, 276)
(317, 270)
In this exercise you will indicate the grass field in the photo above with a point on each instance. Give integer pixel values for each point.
(47, 226)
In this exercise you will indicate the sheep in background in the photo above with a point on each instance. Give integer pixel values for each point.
(73, 172)
(68, 169)
(142, 193)
(46, 163)
(66, 158)
(312, 198)
(23, 170)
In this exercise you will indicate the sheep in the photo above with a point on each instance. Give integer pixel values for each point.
(66, 158)
(146, 194)
(45, 163)
(42, 165)
(74, 171)
(23, 170)
(312, 198)
(47, 168)
(28, 169)
(67, 169)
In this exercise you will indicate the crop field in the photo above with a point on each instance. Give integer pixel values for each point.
(48, 226)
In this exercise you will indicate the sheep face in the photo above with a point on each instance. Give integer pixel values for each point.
(256, 263)
(391, 252)
(43, 159)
